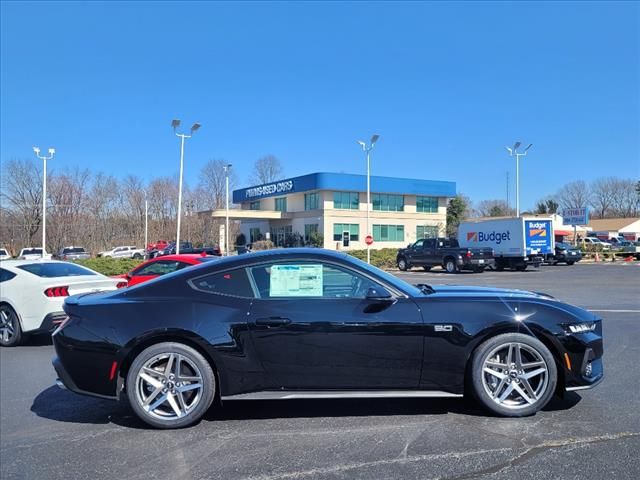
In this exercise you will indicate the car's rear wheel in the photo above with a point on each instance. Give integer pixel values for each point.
(137, 256)
(10, 330)
(513, 375)
(427, 268)
(403, 264)
(170, 385)
(570, 263)
(450, 265)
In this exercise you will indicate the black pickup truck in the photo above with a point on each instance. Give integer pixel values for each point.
(444, 252)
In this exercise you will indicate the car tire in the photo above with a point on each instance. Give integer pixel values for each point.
(10, 330)
(403, 265)
(427, 268)
(521, 268)
(570, 263)
(137, 256)
(450, 265)
(186, 397)
(524, 378)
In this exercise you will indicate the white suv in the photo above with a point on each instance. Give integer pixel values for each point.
(123, 252)
(33, 253)
(4, 255)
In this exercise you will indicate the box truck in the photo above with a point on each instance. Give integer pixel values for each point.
(517, 242)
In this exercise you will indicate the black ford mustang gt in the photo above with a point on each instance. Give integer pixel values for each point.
(310, 323)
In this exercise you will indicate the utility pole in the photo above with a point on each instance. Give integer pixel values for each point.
(367, 150)
(44, 158)
(513, 152)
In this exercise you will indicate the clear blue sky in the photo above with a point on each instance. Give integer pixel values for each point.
(446, 85)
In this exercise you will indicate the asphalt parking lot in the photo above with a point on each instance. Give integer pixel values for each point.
(49, 433)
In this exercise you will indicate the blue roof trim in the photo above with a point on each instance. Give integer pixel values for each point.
(345, 182)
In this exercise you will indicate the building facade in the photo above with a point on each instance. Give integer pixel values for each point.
(299, 210)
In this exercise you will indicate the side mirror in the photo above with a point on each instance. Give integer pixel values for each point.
(378, 293)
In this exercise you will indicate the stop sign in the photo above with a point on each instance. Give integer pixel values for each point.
(368, 239)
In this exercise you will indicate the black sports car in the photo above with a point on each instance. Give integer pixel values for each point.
(311, 323)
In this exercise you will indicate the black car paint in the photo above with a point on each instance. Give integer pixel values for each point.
(415, 341)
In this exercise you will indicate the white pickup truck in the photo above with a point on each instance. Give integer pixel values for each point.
(123, 252)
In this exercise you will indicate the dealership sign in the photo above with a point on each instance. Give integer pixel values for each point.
(575, 216)
(269, 189)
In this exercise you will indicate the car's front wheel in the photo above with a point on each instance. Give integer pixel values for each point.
(403, 265)
(170, 385)
(10, 331)
(513, 374)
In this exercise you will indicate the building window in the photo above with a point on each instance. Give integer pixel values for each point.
(388, 233)
(427, 204)
(426, 231)
(387, 203)
(254, 235)
(311, 201)
(254, 205)
(352, 228)
(346, 200)
(309, 230)
(281, 204)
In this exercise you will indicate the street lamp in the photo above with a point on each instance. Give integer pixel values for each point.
(513, 152)
(227, 167)
(44, 158)
(175, 124)
(367, 150)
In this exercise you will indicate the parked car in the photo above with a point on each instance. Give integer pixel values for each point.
(444, 252)
(33, 253)
(72, 253)
(124, 252)
(4, 254)
(32, 293)
(596, 243)
(159, 266)
(313, 323)
(153, 248)
(187, 247)
(565, 253)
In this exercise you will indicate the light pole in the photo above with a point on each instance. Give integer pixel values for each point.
(367, 150)
(146, 222)
(175, 124)
(513, 152)
(44, 158)
(227, 167)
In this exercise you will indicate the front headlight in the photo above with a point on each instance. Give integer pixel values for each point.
(582, 327)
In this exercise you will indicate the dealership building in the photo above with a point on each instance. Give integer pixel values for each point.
(334, 205)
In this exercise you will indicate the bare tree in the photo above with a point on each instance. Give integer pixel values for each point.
(574, 195)
(21, 194)
(266, 169)
(494, 208)
(603, 191)
(625, 201)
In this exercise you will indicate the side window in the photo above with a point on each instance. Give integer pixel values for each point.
(161, 267)
(6, 275)
(234, 283)
(419, 244)
(308, 280)
(430, 243)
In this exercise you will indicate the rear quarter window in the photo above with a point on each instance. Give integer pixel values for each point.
(57, 269)
(6, 275)
(233, 283)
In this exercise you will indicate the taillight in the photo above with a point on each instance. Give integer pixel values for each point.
(121, 284)
(469, 254)
(57, 292)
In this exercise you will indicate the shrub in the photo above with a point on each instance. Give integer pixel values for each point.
(110, 266)
(383, 258)
(262, 245)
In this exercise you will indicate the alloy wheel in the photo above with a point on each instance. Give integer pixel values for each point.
(169, 386)
(7, 325)
(515, 375)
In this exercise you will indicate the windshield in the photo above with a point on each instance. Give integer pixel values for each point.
(31, 251)
(3, 251)
(387, 277)
(74, 250)
(562, 245)
(56, 269)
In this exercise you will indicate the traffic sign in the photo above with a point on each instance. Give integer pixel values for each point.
(368, 239)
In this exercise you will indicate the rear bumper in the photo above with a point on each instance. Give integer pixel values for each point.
(476, 263)
(50, 322)
(65, 381)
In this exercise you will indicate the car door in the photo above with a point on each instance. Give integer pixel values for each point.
(417, 253)
(430, 252)
(313, 328)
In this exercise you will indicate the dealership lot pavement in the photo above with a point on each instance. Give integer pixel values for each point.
(49, 433)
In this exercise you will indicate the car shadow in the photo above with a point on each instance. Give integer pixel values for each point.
(64, 406)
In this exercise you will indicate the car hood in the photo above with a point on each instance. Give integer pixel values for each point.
(467, 291)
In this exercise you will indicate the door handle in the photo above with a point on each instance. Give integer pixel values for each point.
(272, 321)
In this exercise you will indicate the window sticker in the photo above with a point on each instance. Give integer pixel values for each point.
(295, 281)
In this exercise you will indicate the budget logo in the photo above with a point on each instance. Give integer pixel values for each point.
(538, 232)
(472, 236)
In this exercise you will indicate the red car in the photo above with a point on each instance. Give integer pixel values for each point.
(162, 265)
